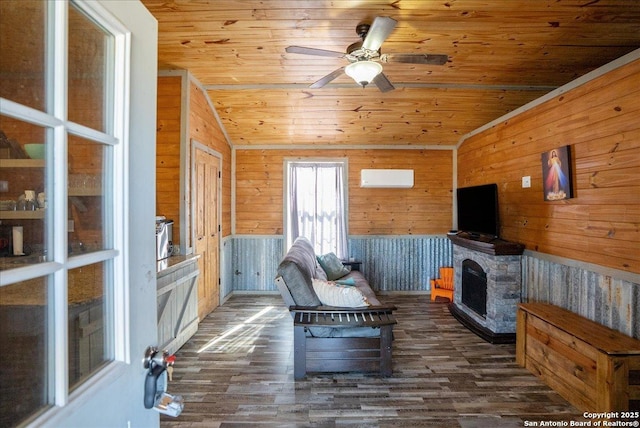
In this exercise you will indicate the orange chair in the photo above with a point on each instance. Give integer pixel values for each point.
(443, 286)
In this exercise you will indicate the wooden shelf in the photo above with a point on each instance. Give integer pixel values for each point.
(21, 163)
(85, 192)
(22, 215)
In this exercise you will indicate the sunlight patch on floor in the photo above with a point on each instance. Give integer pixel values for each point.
(240, 335)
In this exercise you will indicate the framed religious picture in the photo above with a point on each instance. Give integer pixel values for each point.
(556, 174)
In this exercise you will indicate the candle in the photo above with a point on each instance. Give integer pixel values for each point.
(17, 241)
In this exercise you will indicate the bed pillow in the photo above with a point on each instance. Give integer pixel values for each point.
(332, 266)
(332, 295)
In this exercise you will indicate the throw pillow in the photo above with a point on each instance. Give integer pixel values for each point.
(344, 297)
(332, 266)
(348, 281)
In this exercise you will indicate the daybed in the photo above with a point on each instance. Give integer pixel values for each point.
(333, 338)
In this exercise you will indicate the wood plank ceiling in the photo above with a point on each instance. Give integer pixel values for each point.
(502, 54)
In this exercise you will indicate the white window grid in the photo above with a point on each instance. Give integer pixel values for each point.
(115, 190)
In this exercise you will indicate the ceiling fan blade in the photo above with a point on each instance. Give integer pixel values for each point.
(383, 83)
(328, 78)
(417, 58)
(314, 51)
(380, 29)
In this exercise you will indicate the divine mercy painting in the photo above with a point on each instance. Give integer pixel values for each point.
(556, 174)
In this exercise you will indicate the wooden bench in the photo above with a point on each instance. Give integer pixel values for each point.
(595, 368)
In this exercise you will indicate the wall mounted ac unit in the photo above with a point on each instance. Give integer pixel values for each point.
(387, 178)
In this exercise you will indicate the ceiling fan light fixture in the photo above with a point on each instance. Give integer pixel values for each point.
(363, 72)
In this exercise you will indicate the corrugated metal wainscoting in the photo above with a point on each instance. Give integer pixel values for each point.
(390, 263)
(605, 296)
(401, 263)
(252, 262)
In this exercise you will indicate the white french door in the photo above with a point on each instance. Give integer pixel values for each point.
(75, 265)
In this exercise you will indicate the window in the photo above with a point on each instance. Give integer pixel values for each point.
(316, 204)
(62, 123)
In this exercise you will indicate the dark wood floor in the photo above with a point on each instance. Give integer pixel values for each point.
(238, 371)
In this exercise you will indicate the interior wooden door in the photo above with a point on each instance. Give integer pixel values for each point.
(206, 171)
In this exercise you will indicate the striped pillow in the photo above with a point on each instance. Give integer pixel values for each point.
(332, 295)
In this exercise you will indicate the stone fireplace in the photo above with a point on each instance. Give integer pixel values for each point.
(487, 286)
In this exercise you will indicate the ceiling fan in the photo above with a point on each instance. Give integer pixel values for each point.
(365, 56)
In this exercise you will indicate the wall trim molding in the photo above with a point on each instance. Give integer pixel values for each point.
(278, 236)
(397, 236)
(343, 147)
(399, 85)
(592, 267)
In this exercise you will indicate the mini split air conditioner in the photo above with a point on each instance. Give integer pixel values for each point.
(387, 178)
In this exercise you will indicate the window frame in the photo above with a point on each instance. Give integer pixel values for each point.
(286, 182)
(55, 269)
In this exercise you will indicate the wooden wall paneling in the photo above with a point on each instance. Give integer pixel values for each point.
(259, 192)
(168, 134)
(537, 124)
(529, 136)
(424, 209)
(599, 121)
(523, 146)
(204, 128)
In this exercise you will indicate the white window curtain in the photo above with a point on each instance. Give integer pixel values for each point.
(317, 207)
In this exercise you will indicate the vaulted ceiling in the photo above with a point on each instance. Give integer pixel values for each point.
(501, 55)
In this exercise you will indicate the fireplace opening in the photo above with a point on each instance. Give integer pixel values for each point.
(474, 287)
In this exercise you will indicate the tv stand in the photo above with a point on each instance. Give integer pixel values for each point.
(487, 244)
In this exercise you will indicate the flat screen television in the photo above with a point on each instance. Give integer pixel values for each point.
(478, 210)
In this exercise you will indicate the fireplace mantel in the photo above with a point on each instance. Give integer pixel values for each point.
(487, 245)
